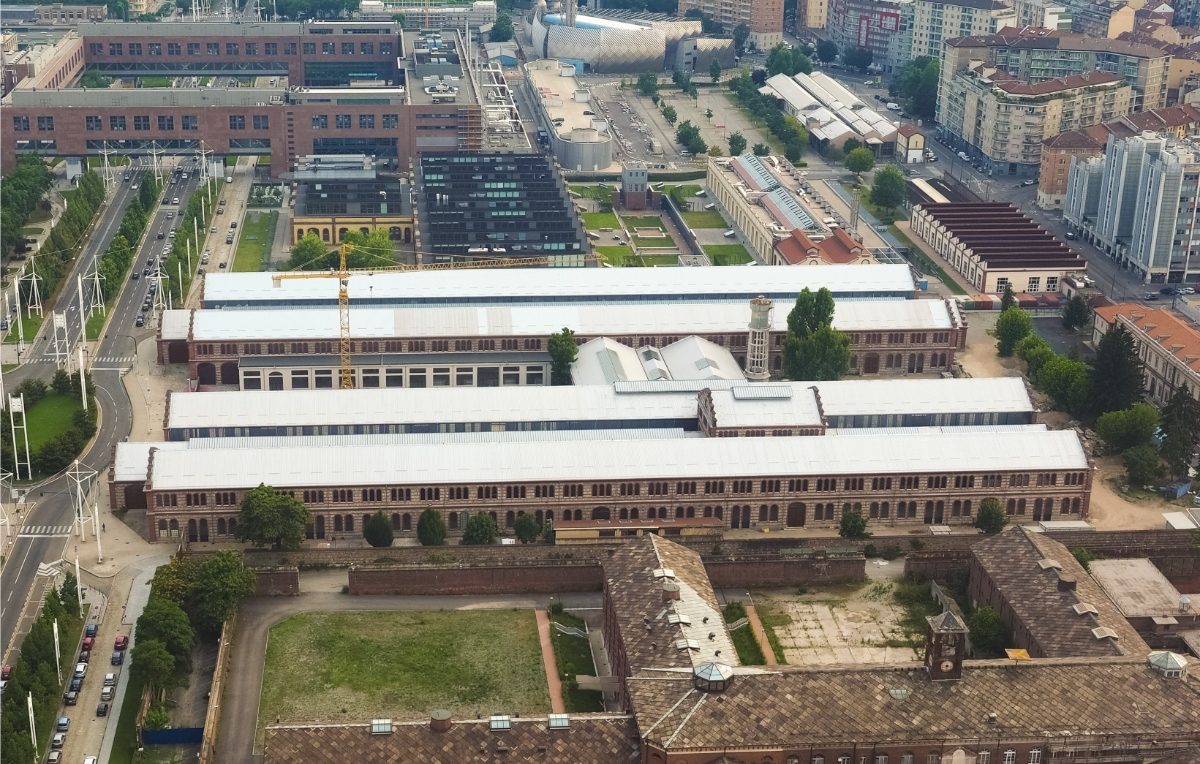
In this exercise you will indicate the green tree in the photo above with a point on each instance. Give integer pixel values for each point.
(1012, 327)
(888, 190)
(310, 253)
(68, 594)
(165, 622)
(785, 60)
(1116, 372)
(857, 58)
(1066, 381)
(502, 28)
(714, 71)
(563, 352)
(1143, 465)
(378, 531)
(270, 516)
(823, 355)
(1076, 313)
(715, 151)
(61, 383)
(526, 528)
(1034, 351)
(853, 525)
(761, 150)
(989, 635)
(670, 115)
(174, 580)
(154, 665)
(222, 582)
(811, 311)
(1008, 299)
(368, 250)
(431, 528)
(681, 79)
(826, 51)
(1083, 556)
(991, 518)
(1181, 431)
(1134, 426)
(741, 33)
(737, 144)
(917, 84)
(647, 84)
(480, 530)
(860, 160)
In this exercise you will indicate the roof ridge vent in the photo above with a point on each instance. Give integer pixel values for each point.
(1103, 632)
(1084, 608)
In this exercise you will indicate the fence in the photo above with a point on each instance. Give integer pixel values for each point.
(212, 717)
(681, 224)
(173, 736)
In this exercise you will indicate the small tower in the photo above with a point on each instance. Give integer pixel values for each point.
(758, 347)
(945, 647)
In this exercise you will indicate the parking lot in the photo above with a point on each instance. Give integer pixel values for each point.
(633, 132)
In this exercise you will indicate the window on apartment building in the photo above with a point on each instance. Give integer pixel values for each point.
(21, 124)
(271, 48)
(1034, 285)
(310, 49)
(213, 48)
(237, 121)
(95, 49)
(386, 48)
(141, 122)
(191, 122)
(1001, 284)
(328, 48)
(166, 123)
(1052, 283)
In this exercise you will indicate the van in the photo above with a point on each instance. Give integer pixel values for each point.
(829, 221)
(730, 233)
(891, 106)
(710, 207)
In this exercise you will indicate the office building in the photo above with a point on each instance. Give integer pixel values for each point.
(579, 137)
(478, 15)
(763, 17)
(330, 203)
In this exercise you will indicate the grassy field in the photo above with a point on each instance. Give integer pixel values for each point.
(156, 82)
(400, 664)
(643, 221)
(254, 245)
(728, 254)
(653, 241)
(623, 257)
(749, 653)
(573, 656)
(704, 219)
(30, 230)
(770, 618)
(29, 327)
(50, 418)
(681, 193)
(125, 742)
(601, 193)
(94, 324)
(594, 221)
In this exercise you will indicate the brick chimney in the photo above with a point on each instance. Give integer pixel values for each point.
(440, 721)
(1066, 584)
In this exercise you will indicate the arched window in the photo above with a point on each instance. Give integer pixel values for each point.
(550, 515)
(162, 526)
(395, 521)
(762, 513)
(600, 513)
(579, 514)
(509, 519)
(720, 513)
(337, 523)
(774, 513)
(623, 513)
(691, 511)
(220, 526)
(349, 523)
(454, 520)
(678, 512)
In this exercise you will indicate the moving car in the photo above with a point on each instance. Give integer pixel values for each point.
(1072, 236)
(1029, 182)
(140, 321)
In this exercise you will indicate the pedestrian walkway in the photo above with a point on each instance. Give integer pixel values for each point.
(45, 531)
(122, 360)
(552, 680)
(760, 635)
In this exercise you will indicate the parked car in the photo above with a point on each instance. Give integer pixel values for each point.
(1072, 236)
(58, 740)
(1151, 297)
(118, 657)
(1167, 290)
(88, 642)
(102, 709)
(54, 757)
(233, 224)
(81, 670)
(76, 684)
(110, 679)
(85, 656)
(121, 642)
(140, 321)
(70, 698)
(63, 724)
(1029, 182)
(106, 694)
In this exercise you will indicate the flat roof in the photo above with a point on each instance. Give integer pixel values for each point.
(614, 460)
(99, 98)
(915, 396)
(506, 285)
(1137, 587)
(766, 406)
(543, 320)
(556, 87)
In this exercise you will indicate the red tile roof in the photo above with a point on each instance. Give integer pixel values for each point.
(1177, 337)
(838, 249)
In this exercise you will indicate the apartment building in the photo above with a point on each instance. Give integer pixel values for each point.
(1140, 205)
(813, 14)
(1169, 348)
(935, 22)
(763, 17)
(880, 26)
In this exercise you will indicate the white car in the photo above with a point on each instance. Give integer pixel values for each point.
(80, 670)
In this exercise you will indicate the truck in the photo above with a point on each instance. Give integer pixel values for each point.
(543, 137)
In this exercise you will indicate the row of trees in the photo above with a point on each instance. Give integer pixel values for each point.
(990, 518)
(480, 530)
(20, 194)
(193, 231)
(114, 263)
(787, 60)
(34, 671)
(54, 258)
(786, 128)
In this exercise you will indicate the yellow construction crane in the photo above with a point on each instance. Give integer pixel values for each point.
(345, 362)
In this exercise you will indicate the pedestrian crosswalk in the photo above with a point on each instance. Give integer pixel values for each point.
(113, 359)
(44, 531)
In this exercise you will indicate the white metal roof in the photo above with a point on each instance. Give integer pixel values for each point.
(563, 284)
(604, 360)
(131, 459)
(613, 460)
(697, 358)
(791, 405)
(543, 320)
(918, 396)
(175, 324)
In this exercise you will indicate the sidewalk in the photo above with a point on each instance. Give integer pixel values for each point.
(147, 384)
(552, 682)
(760, 635)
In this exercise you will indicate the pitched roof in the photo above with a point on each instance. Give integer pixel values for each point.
(908, 130)
(1172, 334)
(1026, 568)
(1073, 139)
(1056, 85)
(597, 738)
(840, 248)
(826, 706)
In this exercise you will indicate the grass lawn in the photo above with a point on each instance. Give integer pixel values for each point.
(601, 193)
(728, 254)
(254, 245)
(400, 664)
(617, 256)
(923, 262)
(643, 221)
(125, 742)
(653, 241)
(770, 618)
(681, 193)
(704, 219)
(30, 230)
(749, 653)
(594, 221)
(50, 418)
(156, 82)
(653, 260)
(29, 327)
(94, 324)
(573, 656)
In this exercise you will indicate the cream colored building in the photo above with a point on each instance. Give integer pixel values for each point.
(934, 22)
(1168, 347)
(813, 14)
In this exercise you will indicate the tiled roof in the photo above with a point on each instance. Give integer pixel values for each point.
(1073, 139)
(1178, 338)
(1018, 562)
(827, 706)
(592, 738)
(908, 130)
(839, 248)
(1057, 85)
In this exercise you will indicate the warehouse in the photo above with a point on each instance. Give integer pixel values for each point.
(506, 345)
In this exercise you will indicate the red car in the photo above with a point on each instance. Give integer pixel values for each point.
(88, 642)
(121, 642)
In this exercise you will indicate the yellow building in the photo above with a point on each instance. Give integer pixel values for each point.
(332, 209)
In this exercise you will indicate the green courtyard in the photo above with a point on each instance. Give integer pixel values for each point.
(350, 666)
(254, 245)
(49, 418)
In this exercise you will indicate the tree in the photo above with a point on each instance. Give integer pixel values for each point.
(1134, 426)
(647, 84)
(853, 525)
(714, 71)
(1083, 556)
(1181, 431)
(1008, 299)
(1143, 465)
(310, 253)
(826, 51)
(222, 582)
(823, 355)
(1076, 313)
(741, 33)
(502, 28)
(270, 516)
(1116, 372)
(431, 528)
(154, 665)
(917, 84)
(61, 383)
(811, 311)
(988, 632)
(715, 151)
(563, 352)
(888, 190)
(857, 58)
(378, 531)
(165, 622)
(670, 115)
(860, 160)
(761, 149)
(480, 530)
(1035, 352)
(1012, 327)
(737, 144)
(681, 79)
(527, 529)
(991, 518)
(1066, 381)
(789, 61)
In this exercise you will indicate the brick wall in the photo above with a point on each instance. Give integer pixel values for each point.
(496, 578)
(775, 571)
(277, 582)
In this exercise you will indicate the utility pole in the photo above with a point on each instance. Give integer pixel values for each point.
(58, 648)
(81, 481)
(5, 523)
(82, 377)
(16, 405)
(33, 725)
